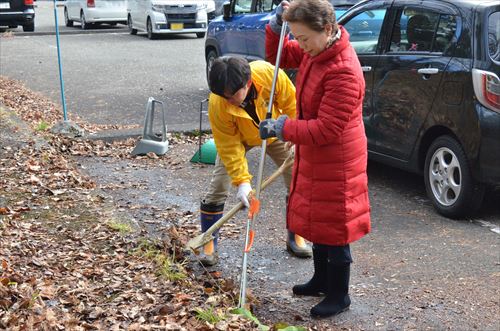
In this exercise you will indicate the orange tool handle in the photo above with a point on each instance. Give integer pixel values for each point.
(251, 235)
(254, 207)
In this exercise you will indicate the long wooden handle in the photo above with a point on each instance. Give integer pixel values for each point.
(206, 236)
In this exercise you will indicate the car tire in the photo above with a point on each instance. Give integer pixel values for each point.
(149, 30)
(448, 179)
(30, 27)
(292, 74)
(211, 56)
(83, 22)
(130, 26)
(200, 34)
(67, 21)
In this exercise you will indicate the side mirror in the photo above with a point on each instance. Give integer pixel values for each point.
(226, 10)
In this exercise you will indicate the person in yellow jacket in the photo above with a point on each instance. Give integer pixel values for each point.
(237, 104)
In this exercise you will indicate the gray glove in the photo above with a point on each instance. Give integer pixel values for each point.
(276, 21)
(270, 128)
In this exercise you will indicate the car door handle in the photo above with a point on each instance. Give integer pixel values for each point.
(366, 68)
(428, 71)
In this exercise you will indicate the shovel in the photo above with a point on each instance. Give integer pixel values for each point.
(204, 238)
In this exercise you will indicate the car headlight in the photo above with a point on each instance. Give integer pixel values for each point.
(157, 8)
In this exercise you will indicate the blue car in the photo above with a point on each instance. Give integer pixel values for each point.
(241, 28)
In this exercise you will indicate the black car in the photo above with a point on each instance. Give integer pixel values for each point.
(432, 103)
(17, 12)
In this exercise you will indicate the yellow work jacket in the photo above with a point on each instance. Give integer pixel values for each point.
(233, 128)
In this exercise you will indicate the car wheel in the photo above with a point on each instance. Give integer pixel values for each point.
(130, 27)
(448, 180)
(67, 21)
(29, 27)
(83, 23)
(211, 56)
(200, 34)
(149, 28)
(292, 74)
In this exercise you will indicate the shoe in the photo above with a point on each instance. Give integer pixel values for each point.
(317, 286)
(296, 245)
(337, 297)
(209, 256)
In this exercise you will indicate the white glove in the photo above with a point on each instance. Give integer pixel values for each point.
(244, 190)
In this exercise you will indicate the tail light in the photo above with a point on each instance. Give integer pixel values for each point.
(91, 3)
(487, 88)
(28, 2)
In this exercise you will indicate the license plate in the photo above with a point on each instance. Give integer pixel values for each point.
(176, 26)
(4, 5)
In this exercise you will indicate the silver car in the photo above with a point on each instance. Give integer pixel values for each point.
(89, 12)
(169, 17)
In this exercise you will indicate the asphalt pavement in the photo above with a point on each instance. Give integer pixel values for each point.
(109, 76)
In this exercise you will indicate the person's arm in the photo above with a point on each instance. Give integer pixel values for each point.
(343, 94)
(228, 142)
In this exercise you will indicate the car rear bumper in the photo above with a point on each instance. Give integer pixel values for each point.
(489, 154)
(17, 18)
(96, 15)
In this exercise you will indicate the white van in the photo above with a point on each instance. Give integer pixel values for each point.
(169, 16)
(89, 12)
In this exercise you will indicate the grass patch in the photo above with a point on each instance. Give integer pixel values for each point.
(166, 264)
(123, 228)
(209, 315)
(42, 126)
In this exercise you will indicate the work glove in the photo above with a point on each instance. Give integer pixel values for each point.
(244, 190)
(277, 20)
(270, 128)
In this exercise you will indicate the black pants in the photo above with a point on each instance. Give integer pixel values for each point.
(337, 255)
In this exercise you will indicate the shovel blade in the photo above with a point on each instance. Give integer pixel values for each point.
(199, 241)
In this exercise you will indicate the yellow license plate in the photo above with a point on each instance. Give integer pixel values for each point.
(176, 26)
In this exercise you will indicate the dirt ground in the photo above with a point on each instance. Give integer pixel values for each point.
(415, 271)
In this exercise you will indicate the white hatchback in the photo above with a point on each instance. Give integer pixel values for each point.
(169, 16)
(89, 12)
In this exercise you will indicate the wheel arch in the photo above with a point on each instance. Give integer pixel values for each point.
(430, 135)
(211, 46)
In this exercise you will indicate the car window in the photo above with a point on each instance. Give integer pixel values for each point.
(242, 6)
(445, 32)
(263, 6)
(364, 30)
(494, 36)
(422, 30)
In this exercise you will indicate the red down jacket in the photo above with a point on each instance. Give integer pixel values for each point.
(328, 201)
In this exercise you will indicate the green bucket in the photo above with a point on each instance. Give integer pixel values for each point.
(206, 153)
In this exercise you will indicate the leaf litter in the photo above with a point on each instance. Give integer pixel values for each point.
(68, 260)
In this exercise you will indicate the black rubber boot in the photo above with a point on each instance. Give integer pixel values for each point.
(317, 285)
(337, 297)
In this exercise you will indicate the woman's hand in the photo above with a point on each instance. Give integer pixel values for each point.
(277, 21)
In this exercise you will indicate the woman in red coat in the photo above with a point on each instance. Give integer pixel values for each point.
(328, 202)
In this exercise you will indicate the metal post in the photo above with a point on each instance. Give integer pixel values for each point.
(61, 80)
